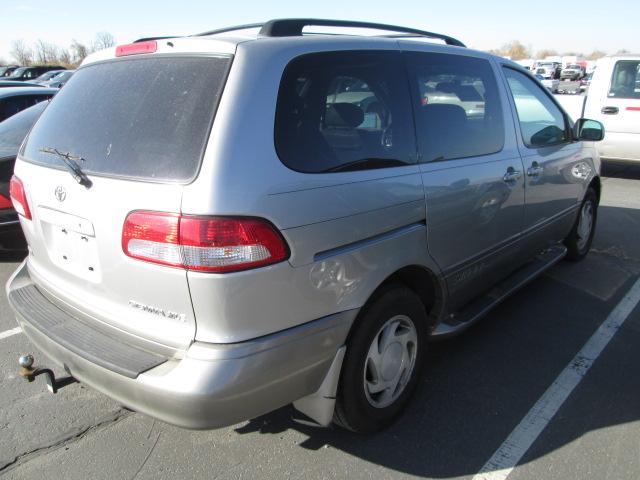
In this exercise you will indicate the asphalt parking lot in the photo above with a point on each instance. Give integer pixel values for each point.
(477, 388)
(569, 86)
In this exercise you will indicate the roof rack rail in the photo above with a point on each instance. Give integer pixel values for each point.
(292, 27)
(230, 29)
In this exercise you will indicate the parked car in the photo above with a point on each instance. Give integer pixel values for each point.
(572, 72)
(551, 83)
(614, 100)
(548, 70)
(12, 133)
(59, 80)
(16, 99)
(206, 256)
(46, 76)
(13, 83)
(31, 73)
(7, 70)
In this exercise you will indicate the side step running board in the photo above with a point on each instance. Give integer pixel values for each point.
(480, 307)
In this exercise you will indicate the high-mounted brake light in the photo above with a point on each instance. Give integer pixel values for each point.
(19, 197)
(136, 48)
(205, 244)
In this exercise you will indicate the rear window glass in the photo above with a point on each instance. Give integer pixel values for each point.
(146, 118)
(626, 80)
(341, 111)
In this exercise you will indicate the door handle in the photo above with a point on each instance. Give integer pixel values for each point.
(535, 170)
(512, 175)
(610, 110)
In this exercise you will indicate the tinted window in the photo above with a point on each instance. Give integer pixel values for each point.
(145, 117)
(541, 121)
(9, 106)
(625, 82)
(14, 129)
(457, 105)
(344, 111)
(17, 73)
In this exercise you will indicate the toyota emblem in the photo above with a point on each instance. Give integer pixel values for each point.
(60, 193)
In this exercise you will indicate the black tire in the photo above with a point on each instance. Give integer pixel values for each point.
(577, 249)
(353, 410)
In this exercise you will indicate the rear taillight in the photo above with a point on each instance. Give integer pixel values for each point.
(19, 197)
(136, 48)
(206, 244)
(5, 203)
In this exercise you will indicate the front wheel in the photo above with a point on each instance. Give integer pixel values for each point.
(579, 240)
(383, 361)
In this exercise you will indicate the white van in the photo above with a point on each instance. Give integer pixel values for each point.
(614, 99)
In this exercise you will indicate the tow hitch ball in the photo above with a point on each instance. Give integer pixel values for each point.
(29, 373)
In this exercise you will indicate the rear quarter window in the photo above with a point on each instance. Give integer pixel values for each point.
(145, 118)
(340, 111)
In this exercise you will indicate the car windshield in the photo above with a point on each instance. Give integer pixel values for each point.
(61, 76)
(17, 73)
(47, 75)
(14, 129)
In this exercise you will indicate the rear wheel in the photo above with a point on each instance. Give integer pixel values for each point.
(383, 361)
(579, 240)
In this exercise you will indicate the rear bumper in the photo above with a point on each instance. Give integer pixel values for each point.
(213, 385)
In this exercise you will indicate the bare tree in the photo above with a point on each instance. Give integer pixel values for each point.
(65, 57)
(46, 52)
(595, 55)
(78, 51)
(103, 40)
(514, 50)
(21, 53)
(542, 54)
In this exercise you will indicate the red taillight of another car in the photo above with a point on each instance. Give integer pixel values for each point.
(205, 244)
(5, 203)
(19, 197)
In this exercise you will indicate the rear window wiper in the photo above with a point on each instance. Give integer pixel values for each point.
(70, 162)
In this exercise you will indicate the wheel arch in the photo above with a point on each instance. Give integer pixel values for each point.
(596, 184)
(429, 288)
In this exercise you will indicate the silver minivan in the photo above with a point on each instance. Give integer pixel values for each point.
(224, 224)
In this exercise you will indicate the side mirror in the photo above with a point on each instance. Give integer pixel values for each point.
(589, 130)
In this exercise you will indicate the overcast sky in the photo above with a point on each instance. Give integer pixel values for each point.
(583, 26)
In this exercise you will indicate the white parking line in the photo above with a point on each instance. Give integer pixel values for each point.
(504, 460)
(8, 333)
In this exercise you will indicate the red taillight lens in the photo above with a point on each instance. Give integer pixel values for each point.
(5, 203)
(136, 48)
(206, 244)
(153, 237)
(19, 197)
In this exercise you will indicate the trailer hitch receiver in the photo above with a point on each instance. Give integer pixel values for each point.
(28, 372)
